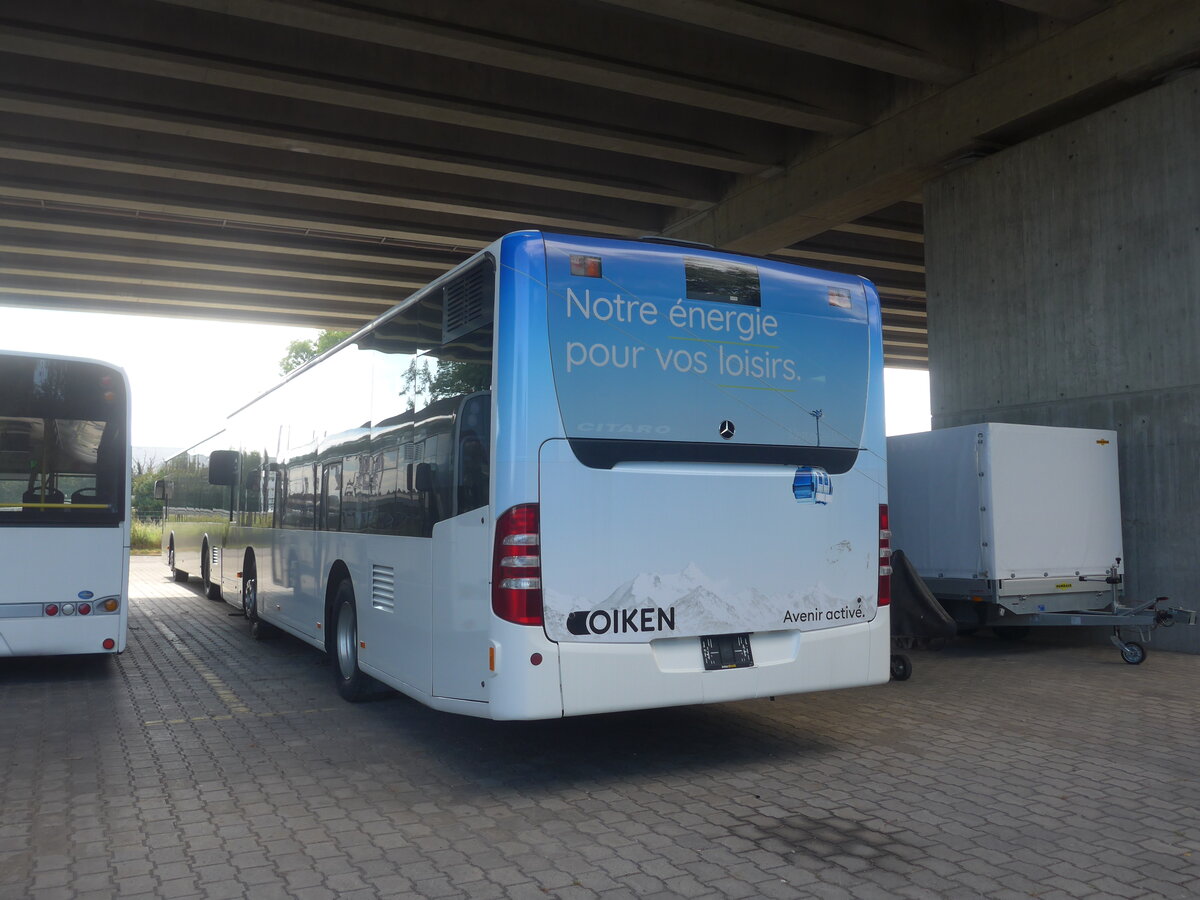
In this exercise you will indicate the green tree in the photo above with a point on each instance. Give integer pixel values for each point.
(454, 378)
(144, 504)
(301, 351)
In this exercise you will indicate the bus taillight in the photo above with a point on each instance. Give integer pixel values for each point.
(517, 567)
(885, 557)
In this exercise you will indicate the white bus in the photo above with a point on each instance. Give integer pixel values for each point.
(64, 505)
(561, 480)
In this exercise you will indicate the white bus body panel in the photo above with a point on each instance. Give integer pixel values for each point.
(669, 672)
(92, 560)
(725, 548)
(728, 547)
(997, 501)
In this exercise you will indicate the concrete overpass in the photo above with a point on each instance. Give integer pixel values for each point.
(312, 162)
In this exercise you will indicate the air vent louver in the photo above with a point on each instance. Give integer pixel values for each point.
(383, 588)
(467, 301)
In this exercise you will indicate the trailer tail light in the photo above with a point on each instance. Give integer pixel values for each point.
(517, 567)
(51, 609)
(885, 557)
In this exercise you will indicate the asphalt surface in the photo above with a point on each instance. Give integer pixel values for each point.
(201, 764)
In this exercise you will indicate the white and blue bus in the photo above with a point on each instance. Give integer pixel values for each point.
(64, 505)
(561, 479)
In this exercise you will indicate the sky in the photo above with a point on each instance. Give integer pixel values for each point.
(187, 375)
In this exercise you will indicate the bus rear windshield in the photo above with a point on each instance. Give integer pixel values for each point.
(707, 357)
(62, 443)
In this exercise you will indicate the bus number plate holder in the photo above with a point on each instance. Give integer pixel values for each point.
(726, 651)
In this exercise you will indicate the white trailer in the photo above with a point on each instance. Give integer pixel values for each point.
(1013, 526)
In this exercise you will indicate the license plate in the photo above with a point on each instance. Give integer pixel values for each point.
(726, 651)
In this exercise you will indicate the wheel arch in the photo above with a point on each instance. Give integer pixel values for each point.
(338, 573)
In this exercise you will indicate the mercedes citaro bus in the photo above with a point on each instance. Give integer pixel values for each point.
(570, 476)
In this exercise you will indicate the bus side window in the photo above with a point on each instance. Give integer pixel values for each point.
(300, 509)
(472, 459)
(331, 497)
(278, 496)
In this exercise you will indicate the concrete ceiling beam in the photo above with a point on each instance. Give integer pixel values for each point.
(204, 267)
(242, 134)
(852, 260)
(110, 301)
(457, 239)
(11, 274)
(772, 26)
(223, 176)
(159, 232)
(400, 32)
(171, 310)
(889, 162)
(231, 76)
(1063, 10)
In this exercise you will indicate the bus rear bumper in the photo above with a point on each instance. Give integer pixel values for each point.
(598, 678)
(42, 637)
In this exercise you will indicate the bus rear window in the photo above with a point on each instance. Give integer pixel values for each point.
(706, 350)
(718, 281)
(62, 443)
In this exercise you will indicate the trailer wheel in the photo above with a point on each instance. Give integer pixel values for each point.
(1133, 653)
(901, 667)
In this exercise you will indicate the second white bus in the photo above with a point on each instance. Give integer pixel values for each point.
(64, 505)
(570, 476)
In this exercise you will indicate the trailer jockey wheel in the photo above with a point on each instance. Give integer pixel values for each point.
(1132, 652)
(901, 667)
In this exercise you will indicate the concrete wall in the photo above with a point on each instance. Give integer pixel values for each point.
(1064, 289)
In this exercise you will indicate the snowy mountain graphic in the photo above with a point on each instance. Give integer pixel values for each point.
(702, 605)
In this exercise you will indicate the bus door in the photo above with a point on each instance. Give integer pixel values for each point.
(462, 561)
(295, 548)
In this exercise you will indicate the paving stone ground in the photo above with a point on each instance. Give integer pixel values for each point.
(203, 765)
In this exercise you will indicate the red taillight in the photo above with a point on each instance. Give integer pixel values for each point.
(52, 609)
(108, 644)
(517, 567)
(885, 557)
(84, 609)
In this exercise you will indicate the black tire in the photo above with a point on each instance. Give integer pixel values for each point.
(901, 667)
(259, 630)
(351, 683)
(212, 591)
(1011, 632)
(176, 574)
(1133, 653)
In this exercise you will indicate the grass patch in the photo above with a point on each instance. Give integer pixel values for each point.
(145, 537)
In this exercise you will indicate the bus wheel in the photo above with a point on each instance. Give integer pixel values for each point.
(212, 591)
(259, 630)
(352, 684)
(177, 574)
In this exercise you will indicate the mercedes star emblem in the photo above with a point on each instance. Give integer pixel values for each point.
(726, 429)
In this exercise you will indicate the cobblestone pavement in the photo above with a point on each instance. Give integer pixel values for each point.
(203, 765)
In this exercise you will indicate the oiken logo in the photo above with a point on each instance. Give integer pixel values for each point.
(621, 621)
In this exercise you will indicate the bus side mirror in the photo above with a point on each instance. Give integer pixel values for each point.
(223, 467)
(160, 490)
(424, 478)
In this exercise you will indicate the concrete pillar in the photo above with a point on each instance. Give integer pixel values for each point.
(1064, 289)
